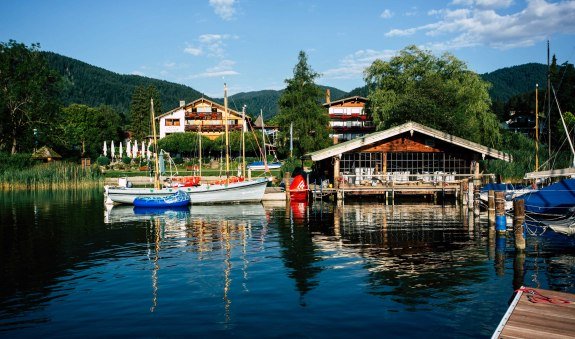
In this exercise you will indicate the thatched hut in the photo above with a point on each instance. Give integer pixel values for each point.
(46, 154)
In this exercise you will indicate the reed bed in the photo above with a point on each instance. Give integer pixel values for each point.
(55, 175)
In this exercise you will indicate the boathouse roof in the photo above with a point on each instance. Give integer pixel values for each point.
(411, 127)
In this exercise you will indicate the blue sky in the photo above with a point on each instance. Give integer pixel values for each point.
(253, 44)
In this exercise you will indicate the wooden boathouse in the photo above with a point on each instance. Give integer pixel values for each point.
(404, 160)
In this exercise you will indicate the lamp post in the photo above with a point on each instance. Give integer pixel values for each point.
(35, 139)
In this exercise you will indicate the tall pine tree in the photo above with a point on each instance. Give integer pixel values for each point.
(300, 104)
(140, 123)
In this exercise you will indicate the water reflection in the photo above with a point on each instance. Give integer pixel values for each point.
(227, 269)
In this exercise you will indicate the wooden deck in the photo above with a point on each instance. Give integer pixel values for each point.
(540, 314)
(389, 189)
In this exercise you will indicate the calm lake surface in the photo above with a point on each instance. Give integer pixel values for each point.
(72, 267)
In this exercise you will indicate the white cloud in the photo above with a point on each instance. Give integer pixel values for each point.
(224, 8)
(223, 68)
(481, 24)
(353, 65)
(195, 51)
(138, 73)
(386, 14)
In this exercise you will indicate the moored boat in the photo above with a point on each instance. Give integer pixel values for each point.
(178, 199)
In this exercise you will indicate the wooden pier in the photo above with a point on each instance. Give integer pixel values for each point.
(537, 313)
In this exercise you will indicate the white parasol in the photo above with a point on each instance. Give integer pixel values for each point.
(128, 149)
(121, 151)
(135, 149)
(105, 149)
(149, 153)
(112, 150)
(143, 151)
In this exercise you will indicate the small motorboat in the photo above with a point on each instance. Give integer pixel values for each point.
(178, 199)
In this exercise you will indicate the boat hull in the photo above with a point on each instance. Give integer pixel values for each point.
(245, 191)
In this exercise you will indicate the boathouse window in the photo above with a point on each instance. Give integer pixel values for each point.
(412, 162)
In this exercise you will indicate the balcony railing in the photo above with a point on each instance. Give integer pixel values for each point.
(212, 128)
(355, 116)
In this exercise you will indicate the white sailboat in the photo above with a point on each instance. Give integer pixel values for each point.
(224, 192)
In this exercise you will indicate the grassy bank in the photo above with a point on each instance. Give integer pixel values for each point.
(55, 175)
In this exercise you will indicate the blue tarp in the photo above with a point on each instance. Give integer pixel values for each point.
(557, 198)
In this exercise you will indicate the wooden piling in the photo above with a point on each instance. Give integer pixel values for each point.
(491, 209)
(476, 200)
(518, 219)
(500, 221)
(470, 186)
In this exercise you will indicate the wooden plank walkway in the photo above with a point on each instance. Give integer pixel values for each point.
(537, 313)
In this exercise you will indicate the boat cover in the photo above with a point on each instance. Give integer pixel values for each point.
(555, 199)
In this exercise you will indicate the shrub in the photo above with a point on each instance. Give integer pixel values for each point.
(178, 160)
(103, 161)
(126, 160)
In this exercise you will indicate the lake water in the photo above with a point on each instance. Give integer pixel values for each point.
(70, 267)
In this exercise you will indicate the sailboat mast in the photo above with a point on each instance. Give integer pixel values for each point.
(227, 134)
(263, 135)
(200, 147)
(549, 100)
(157, 166)
(565, 127)
(243, 141)
(536, 127)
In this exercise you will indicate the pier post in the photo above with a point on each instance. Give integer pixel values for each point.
(287, 183)
(463, 192)
(491, 209)
(470, 185)
(500, 221)
(476, 200)
(518, 219)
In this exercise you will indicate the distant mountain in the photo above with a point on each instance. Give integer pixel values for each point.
(94, 86)
(511, 81)
(267, 101)
(505, 82)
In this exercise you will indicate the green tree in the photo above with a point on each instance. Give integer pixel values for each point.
(186, 144)
(140, 123)
(300, 104)
(89, 127)
(28, 94)
(439, 92)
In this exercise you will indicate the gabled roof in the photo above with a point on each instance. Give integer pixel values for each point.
(344, 100)
(202, 100)
(46, 152)
(407, 127)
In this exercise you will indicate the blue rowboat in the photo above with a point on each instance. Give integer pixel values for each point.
(178, 199)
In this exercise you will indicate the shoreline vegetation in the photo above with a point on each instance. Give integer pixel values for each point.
(55, 175)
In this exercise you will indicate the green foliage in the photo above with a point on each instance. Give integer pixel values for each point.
(126, 160)
(54, 175)
(522, 149)
(437, 92)
(140, 116)
(511, 81)
(16, 161)
(103, 161)
(89, 127)
(28, 95)
(300, 105)
(178, 160)
(185, 144)
(94, 86)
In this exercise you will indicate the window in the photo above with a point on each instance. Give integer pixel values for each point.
(172, 122)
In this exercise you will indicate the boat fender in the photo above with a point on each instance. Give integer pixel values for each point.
(508, 197)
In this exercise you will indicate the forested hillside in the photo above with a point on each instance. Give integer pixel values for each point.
(93, 86)
(511, 81)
